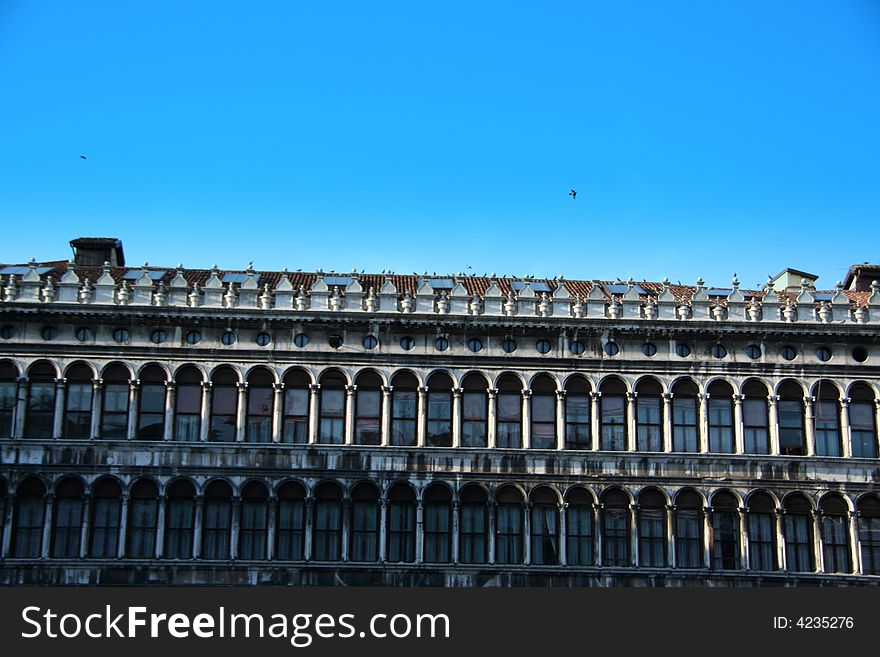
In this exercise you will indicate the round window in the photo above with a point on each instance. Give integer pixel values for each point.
(649, 349)
(788, 352)
(753, 351)
(48, 332)
(508, 345)
(84, 334)
(371, 342)
(577, 347)
(441, 344)
(335, 341)
(475, 345)
(158, 336)
(7, 332)
(860, 354)
(300, 340)
(611, 348)
(121, 335)
(407, 343)
(719, 351)
(263, 339)
(682, 350)
(193, 337)
(543, 346)
(823, 354)
(228, 338)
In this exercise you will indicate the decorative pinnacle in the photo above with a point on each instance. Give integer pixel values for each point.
(734, 281)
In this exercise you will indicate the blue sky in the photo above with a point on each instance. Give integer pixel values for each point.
(704, 138)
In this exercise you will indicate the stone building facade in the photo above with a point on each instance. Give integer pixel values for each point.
(242, 427)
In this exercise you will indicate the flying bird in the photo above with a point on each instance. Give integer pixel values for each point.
(573, 195)
(82, 157)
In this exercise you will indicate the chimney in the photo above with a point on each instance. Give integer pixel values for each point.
(95, 251)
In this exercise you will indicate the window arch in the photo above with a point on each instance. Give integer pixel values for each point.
(475, 411)
(27, 522)
(363, 542)
(827, 419)
(685, 422)
(652, 529)
(401, 523)
(216, 520)
(254, 521)
(724, 539)
(543, 415)
(473, 533)
(544, 527)
(151, 403)
(78, 401)
(862, 422)
(438, 523)
(649, 415)
(332, 414)
(688, 530)
(756, 423)
(439, 416)
(67, 519)
(8, 395)
(143, 510)
(835, 534)
(188, 404)
(114, 401)
(509, 421)
(869, 533)
(179, 520)
(260, 406)
(290, 522)
(368, 409)
(295, 427)
(509, 525)
(720, 415)
(791, 419)
(615, 528)
(798, 524)
(104, 528)
(578, 434)
(40, 408)
(223, 422)
(762, 532)
(404, 409)
(612, 414)
(327, 530)
(579, 530)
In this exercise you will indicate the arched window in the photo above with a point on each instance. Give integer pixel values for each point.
(295, 429)
(577, 414)
(543, 430)
(688, 530)
(78, 402)
(290, 522)
(332, 415)
(612, 415)
(27, 521)
(260, 406)
(188, 405)
(438, 524)
(8, 392)
(40, 409)
(151, 403)
(179, 517)
(827, 419)
(327, 530)
(835, 534)
(253, 526)
(652, 529)
(363, 542)
(404, 409)
(216, 520)
(439, 430)
(368, 409)
(869, 533)
(544, 525)
(143, 510)
(762, 532)
(114, 402)
(685, 425)
(791, 419)
(104, 528)
(724, 539)
(473, 532)
(508, 525)
(615, 528)
(720, 412)
(475, 411)
(798, 525)
(67, 519)
(401, 523)
(579, 530)
(223, 422)
(509, 422)
(756, 432)
(649, 416)
(862, 422)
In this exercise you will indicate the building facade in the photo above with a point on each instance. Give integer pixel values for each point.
(181, 426)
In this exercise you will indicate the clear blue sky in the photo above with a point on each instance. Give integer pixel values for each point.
(703, 138)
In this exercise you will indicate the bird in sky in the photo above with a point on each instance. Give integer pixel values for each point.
(573, 195)
(82, 157)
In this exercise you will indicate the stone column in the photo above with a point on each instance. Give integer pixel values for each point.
(744, 536)
(560, 419)
(527, 530)
(235, 527)
(780, 538)
(87, 518)
(456, 416)
(420, 533)
(818, 541)
(386, 415)
(671, 534)
(563, 531)
(159, 548)
(97, 387)
(707, 527)
(594, 420)
(58, 419)
(422, 416)
(6, 528)
(383, 529)
(241, 411)
(526, 419)
(206, 411)
(277, 411)
(272, 512)
(170, 398)
(309, 523)
(667, 421)
(133, 390)
(197, 527)
(314, 388)
(123, 526)
(491, 508)
(810, 425)
(738, 430)
(597, 531)
(491, 429)
(634, 534)
(773, 423)
(346, 528)
(703, 418)
(629, 440)
(855, 542)
(455, 531)
(21, 394)
(350, 391)
(845, 431)
(47, 527)
(876, 419)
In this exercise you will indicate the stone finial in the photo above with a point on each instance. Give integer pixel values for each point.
(371, 301)
(734, 282)
(301, 301)
(406, 304)
(510, 304)
(194, 296)
(335, 302)
(123, 296)
(544, 307)
(265, 298)
(788, 312)
(48, 293)
(754, 310)
(443, 304)
(824, 313)
(85, 292)
(10, 292)
(578, 308)
(161, 295)
(650, 309)
(230, 297)
(474, 306)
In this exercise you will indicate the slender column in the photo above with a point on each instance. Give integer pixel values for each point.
(526, 419)
(170, 398)
(307, 540)
(629, 440)
(123, 526)
(491, 429)
(810, 424)
(314, 388)
(47, 526)
(277, 410)
(87, 520)
(197, 528)
(563, 530)
(159, 548)
(527, 529)
(21, 394)
(780, 538)
(876, 420)
(707, 527)
(383, 530)
(738, 434)
(492, 508)
(845, 437)
(594, 420)
(241, 411)
(422, 416)
(456, 416)
(634, 534)
(350, 391)
(270, 527)
(703, 415)
(597, 532)
(58, 419)
(855, 542)
(97, 399)
(386, 415)
(667, 421)
(420, 534)
(560, 419)
(744, 536)
(671, 533)
(818, 541)
(235, 527)
(6, 529)
(773, 423)
(455, 530)
(133, 391)
(346, 528)
(206, 410)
